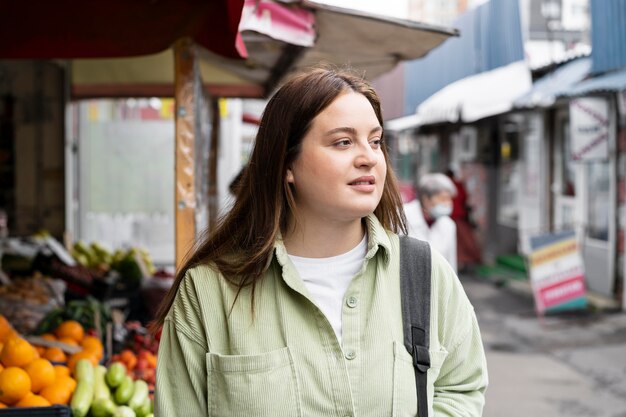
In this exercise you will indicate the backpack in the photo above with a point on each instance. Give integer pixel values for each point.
(415, 279)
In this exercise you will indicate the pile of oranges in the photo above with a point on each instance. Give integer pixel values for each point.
(32, 376)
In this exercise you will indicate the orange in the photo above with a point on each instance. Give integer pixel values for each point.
(94, 345)
(56, 394)
(33, 400)
(14, 385)
(68, 340)
(67, 381)
(48, 336)
(11, 335)
(61, 370)
(40, 350)
(71, 329)
(41, 373)
(17, 352)
(5, 328)
(83, 354)
(54, 354)
(129, 359)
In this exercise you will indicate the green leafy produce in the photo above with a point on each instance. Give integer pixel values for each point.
(83, 311)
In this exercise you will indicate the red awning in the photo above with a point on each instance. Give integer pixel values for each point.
(66, 29)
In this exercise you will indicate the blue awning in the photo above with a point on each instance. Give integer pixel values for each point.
(547, 89)
(607, 83)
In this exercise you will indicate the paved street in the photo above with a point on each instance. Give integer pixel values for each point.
(568, 365)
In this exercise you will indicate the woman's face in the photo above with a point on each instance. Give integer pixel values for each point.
(341, 169)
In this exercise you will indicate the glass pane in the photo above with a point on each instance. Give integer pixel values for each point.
(127, 175)
(599, 200)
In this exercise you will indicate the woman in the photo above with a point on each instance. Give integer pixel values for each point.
(429, 217)
(292, 306)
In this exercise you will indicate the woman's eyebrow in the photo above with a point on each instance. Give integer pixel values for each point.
(350, 130)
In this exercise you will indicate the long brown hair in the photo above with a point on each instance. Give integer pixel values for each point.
(242, 243)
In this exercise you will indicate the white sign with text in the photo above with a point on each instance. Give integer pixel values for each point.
(589, 127)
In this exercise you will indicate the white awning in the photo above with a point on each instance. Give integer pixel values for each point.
(402, 123)
(478, 96)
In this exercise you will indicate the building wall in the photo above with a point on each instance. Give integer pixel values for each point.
(608, 20)
(621, 200)
(38, 91)
(490, 37)
(390, 89)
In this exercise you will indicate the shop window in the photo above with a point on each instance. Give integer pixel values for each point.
(126, 175)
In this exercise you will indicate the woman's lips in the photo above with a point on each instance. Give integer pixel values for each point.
(364, 184)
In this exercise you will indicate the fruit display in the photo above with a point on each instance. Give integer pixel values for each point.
(89, 312)
(34, 375)
(27, 300)
(106, 392)
(132, 264)
(26, 379)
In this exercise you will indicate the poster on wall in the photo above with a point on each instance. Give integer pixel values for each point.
(589, 128)
(556, 272)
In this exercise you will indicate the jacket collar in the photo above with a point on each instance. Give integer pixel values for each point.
(378, 238)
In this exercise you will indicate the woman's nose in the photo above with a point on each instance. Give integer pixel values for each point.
(366, 156)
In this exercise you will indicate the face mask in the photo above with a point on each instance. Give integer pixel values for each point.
(440, 210)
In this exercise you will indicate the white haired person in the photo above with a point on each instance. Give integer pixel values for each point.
(428, 216)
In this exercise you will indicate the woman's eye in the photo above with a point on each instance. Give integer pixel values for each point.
(343, 142)
(376, 142)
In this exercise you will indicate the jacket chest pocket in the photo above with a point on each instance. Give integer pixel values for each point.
(253, 385)
(404, 391)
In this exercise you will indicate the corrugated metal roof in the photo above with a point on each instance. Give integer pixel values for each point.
(546, 90)
(478, 96)
(608, 34)
(607, 83)
(490, 37)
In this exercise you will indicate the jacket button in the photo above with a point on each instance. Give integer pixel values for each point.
(350, 355)
(352, 301)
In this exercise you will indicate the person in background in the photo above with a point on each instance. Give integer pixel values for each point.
(292, 305)
(468, 249)
(428, 216)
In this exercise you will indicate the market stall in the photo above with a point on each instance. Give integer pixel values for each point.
(73, 328)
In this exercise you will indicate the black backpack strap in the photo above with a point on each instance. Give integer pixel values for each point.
(415, 290)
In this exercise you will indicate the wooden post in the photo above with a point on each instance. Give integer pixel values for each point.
(213, 152)
(184, 181)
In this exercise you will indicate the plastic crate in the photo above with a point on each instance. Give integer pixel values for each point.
(52, 411)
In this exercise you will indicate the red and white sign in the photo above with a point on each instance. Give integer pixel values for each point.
(590, 128)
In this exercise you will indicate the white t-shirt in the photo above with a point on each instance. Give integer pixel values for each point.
(327, 280)
(441, 235)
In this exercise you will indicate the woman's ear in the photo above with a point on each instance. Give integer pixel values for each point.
(289, 176)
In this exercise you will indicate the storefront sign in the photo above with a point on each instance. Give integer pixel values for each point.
(589, 121)
(556, 272)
